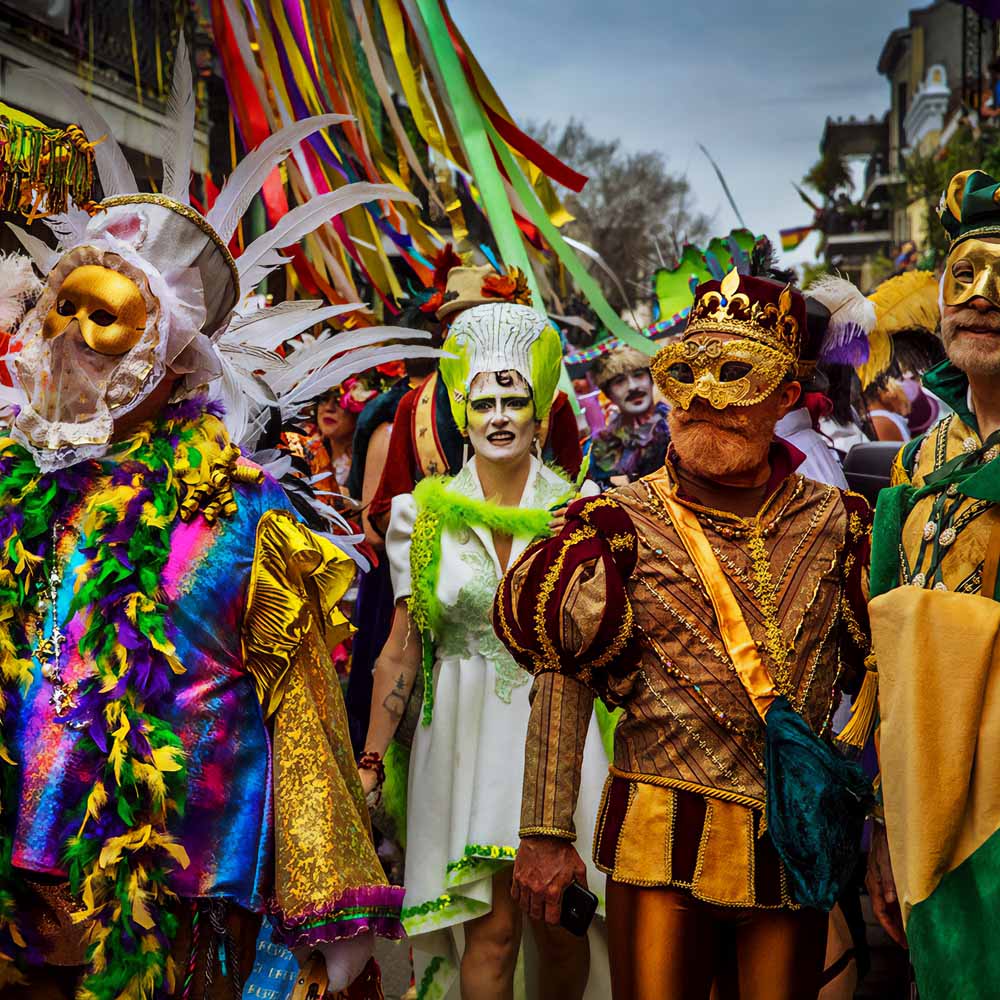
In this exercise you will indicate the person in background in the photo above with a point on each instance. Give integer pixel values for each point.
(634, 442)
(799, 427)
(325, 443)
(843, 426)
(888, 408)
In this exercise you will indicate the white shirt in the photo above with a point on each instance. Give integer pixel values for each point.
(822, 463)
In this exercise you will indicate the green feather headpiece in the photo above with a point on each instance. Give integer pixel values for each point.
(501, 337)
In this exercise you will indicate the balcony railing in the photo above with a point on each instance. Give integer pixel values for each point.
(131, 41)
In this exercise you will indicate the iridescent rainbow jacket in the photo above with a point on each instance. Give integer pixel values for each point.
(274, 817)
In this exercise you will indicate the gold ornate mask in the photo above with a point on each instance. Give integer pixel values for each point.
(725, 372)
(107, 306)
(972, 270)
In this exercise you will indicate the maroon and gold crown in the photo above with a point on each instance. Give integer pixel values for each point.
(757, 309)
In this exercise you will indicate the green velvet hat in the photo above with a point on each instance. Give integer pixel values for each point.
(970, 206)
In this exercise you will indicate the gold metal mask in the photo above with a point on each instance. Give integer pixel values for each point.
(107, 305)
(725, 372)
(972, 271)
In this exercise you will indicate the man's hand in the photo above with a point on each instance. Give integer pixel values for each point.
(558, 519)
(545, 866)
(882, 887)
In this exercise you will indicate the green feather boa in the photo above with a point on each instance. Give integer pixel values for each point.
(440, 509)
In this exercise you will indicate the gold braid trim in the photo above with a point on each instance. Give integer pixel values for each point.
(549, 652)
(680, 785)
(546, 831)
(209, 489)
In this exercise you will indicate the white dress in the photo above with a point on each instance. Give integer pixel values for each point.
(464, 792)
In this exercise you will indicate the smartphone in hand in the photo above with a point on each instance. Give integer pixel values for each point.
(578, 908)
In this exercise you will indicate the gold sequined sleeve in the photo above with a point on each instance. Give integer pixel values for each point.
(297, 579)
(328, 882)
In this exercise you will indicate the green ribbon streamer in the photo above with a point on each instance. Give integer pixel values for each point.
(472, 129)
(567, 256)
(480, 140)
(472, 126)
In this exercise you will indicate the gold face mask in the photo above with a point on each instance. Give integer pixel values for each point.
(972, 271)
(723, 372)
(107, 306)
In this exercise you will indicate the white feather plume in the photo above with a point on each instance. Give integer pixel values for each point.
(69, 227)
(178, 150)
(847, 304)
(115, 173)
(269, 328)
(260, 257)
(250, 173)
(303, 364)
(344, 367)
(252, 358)
(44, 256)
(18, 285)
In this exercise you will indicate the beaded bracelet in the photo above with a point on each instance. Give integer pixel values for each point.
(371, 760)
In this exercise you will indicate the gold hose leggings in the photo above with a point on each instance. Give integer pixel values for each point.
(666, 945)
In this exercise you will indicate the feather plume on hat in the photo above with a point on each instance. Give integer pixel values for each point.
(852, 318)
(18, 286)
(903, 304)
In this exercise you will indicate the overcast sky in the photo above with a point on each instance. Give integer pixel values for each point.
(753, 82)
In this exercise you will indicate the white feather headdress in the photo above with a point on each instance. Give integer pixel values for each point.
(209, 333)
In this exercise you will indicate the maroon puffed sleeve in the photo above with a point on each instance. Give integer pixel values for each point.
(563, 612)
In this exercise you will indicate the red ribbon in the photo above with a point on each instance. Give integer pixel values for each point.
(550, 165)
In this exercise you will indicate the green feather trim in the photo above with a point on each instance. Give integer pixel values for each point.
(440, 509)
(607, 722)
(394, 788)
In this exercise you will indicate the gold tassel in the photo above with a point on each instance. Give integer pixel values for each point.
(862, 721)
(42, 168)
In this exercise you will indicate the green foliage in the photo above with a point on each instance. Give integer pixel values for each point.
(813, 272)
(927, 176)
(881, 267)
(829, 175)
(633, 211)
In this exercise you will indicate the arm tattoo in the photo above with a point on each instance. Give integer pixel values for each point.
(395, 703)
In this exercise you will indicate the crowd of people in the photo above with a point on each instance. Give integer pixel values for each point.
(298, 651)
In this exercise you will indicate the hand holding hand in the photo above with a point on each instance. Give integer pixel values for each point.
(545, 866)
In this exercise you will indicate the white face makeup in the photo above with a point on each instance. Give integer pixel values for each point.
(501, 416)
(632, 392)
